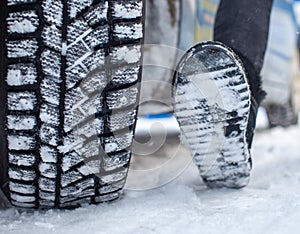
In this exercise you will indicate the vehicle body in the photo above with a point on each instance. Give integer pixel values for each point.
(280, 72)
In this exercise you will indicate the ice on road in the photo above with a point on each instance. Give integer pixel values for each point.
(270, 204)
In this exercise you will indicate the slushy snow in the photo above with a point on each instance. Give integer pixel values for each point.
(270, 204)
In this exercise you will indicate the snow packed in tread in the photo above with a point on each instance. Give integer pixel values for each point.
(204, 115)
(56, 137)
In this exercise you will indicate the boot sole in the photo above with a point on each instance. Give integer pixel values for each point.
(212, 106)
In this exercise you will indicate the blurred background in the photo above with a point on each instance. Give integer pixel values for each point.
(173, 26)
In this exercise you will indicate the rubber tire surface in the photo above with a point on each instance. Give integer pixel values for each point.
(70, 77)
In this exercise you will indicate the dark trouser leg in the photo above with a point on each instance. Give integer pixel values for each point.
(243, 25)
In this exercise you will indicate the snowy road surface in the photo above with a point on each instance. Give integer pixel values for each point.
(270, 204)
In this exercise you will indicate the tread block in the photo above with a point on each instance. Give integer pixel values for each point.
(46, 204)
(70, 160)
(21, 101)
(21, 122)
(118, 142)
(73, 97)
(53, 12)
(47, 185)
(76, 30)
(114, 177)
(21, 159)
(47, 196)
(22, 188)
(110, 188)
(97, 37)
(74, 201)
(125, 75)
(89, 129)
(115, 161)
(74, 75)
(19, 2)
(49, 114)
(22, 198)
(21, 142)
(77, 189)
(76, 52)
(48, 155)
(94, 81)
(82, 111)
(72, 142)
(70, 177)
(48, 170)
(122, 98)
(21, 74)
(50, 90)
(119, 120)
(128, 31)
(51, 63)
(97, 14)
(75, 7)
(21, 174)
(127, 9)
(22, 22)
(94, 166)
(90, 149)
(26, 48)
(23, 204)
(108, 197)
(52, 38)
(91, 167)
(94, 60)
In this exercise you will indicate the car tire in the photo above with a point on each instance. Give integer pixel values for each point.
(70, 80)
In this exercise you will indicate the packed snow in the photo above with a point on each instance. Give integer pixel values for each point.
(270, 204)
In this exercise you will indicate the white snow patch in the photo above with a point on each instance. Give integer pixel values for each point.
(110, 147)
(14, 77)
(45, 225)
(129, 54)
(24, 26)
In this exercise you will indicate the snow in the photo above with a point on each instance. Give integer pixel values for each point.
(24, 26)
(16, 78)
(48, 155)
(21, 122)
(16, 142)
(129, 54)
(270, 204)
(21, 159)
